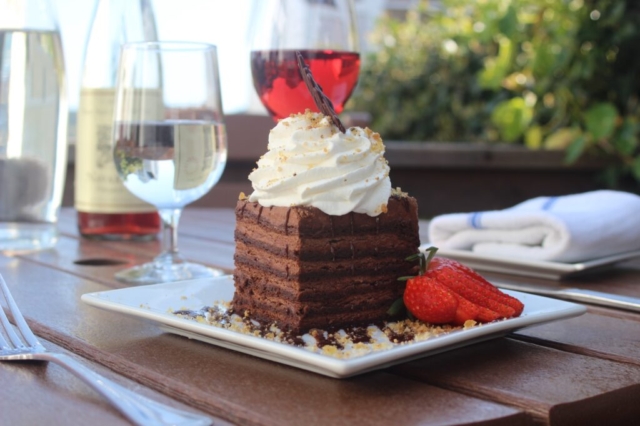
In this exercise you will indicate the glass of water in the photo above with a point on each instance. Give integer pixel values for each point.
(169, 140)
(33, 125)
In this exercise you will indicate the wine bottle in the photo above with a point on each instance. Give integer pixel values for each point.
(106, 209)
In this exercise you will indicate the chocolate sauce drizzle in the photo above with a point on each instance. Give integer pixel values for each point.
(375, 249)
(323, 103)
(286, 224)
(353, 225)
(353, 258)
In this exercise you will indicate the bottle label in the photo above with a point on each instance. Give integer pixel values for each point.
(98, 188)
(193, 155)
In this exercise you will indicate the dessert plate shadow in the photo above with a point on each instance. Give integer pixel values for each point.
(157, 302)
(533, 268)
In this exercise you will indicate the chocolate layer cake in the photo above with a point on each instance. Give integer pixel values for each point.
(302, 268)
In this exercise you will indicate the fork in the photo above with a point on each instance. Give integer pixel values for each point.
(137, 408)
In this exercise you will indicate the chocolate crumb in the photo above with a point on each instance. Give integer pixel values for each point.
(343, 343)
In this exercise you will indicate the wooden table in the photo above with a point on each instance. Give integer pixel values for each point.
(584, 370)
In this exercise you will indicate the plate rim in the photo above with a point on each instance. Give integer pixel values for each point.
(318, 363)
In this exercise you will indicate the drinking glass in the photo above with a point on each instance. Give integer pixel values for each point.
(169, 140)
(324, 32)
(33, 125)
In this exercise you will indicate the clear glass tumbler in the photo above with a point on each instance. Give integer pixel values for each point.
(33, 125)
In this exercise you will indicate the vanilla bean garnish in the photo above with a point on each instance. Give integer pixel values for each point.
(323, 103)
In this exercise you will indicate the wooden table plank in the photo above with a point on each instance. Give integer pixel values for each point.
(555, 387)
(591, 334)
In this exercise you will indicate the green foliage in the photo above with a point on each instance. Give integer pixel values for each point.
(554, 74)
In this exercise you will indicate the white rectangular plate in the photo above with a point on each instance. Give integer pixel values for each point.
(532, 268)
(156, 302)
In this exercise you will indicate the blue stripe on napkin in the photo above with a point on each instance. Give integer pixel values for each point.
(474, 220)
(549, 203)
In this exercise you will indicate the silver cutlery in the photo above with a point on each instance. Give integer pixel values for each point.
(137, 408)
(576, 294)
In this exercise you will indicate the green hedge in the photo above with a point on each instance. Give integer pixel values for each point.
(554, 74)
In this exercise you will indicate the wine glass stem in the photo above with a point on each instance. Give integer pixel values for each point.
(170, 219)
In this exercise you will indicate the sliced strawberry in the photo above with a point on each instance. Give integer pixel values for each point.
(466, 311)
(437, 261)
(429, 301)
(469, 288)
(487, 315)
(480, 283)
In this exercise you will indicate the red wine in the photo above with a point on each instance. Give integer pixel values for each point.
(117, 226)
(283, 92)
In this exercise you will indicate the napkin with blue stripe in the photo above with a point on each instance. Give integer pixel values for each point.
(569, 228)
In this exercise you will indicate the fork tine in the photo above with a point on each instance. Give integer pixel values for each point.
(27, 334)
(8, 328)
(4, 345)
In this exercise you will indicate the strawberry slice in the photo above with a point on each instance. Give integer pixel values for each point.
(487, 315)
(440, 261)
(466, 311)
(480, 284)
(430, 301)
(470, 289)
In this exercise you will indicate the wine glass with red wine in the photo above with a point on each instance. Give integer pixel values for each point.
(169, 140)
(324, 32)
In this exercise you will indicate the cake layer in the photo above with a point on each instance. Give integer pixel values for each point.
(356, 310)
(321, 289)
(345, 303)
(324, 248)
(312, 223)
(292, 268)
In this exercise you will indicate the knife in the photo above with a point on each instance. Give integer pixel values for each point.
(577, 294)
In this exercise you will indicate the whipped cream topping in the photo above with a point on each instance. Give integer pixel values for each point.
(311, 163)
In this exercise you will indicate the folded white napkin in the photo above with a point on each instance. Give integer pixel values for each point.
(570, 228)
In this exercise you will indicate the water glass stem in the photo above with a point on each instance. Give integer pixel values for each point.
(170, 219)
